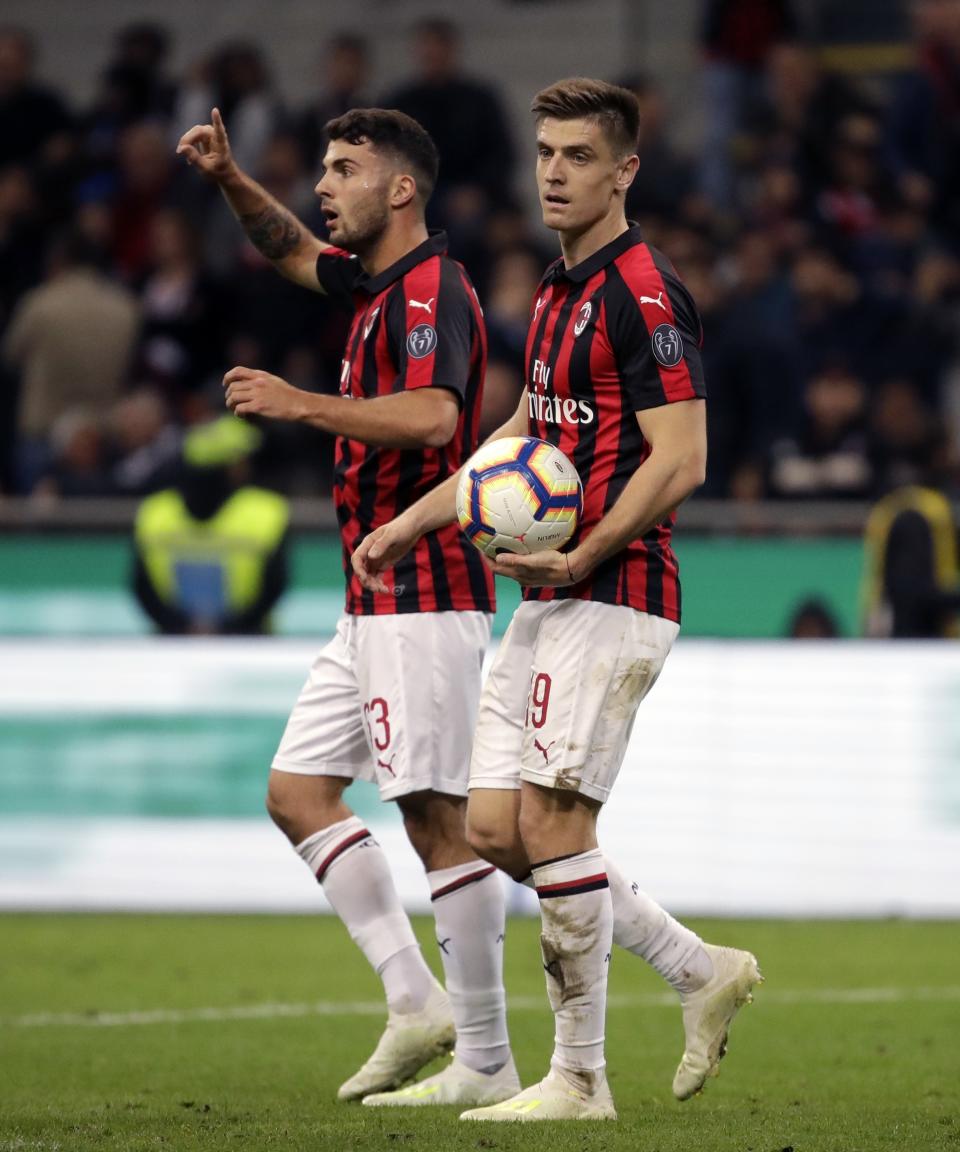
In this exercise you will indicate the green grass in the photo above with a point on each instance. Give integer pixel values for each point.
(807, 1071)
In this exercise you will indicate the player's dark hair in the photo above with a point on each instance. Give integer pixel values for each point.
(616, 109)
(395, 134)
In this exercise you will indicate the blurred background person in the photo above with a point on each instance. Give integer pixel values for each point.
(912, 579)
(466, 119)
(71, 342)
(35, 124)
(813, 619)
(343, 79)
(736, 38)
(211, 552)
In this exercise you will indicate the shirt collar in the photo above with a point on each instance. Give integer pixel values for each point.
(434, 245)
(603, 256)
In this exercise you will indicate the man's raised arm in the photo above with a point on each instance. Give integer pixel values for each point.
(272, 228)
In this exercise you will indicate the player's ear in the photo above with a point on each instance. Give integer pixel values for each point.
(627, 171)
(403, 189)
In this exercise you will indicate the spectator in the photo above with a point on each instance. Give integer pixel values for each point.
(144, 444)
(133, 88)
(234, 78)
(516, 275)
(34, 123)
(664, 180)
(905, 442)
(467, 122)
(797, 117)
(737, 36)
(813, 619)
(71, 340)
(828, 457)
(144, 190)
(344, 76)
(182, 340)
(21, 238)
(922, 135)
(78, 458)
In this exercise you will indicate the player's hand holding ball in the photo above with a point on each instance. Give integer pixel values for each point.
(519, 501)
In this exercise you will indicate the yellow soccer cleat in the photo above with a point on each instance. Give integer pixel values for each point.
(408, 1043)
(456, 1084)
(552, 1099)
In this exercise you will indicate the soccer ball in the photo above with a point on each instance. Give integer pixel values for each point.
(518, 494)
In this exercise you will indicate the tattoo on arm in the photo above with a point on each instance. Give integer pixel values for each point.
(272, 231)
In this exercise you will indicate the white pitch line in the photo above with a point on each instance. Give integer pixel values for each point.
(517, 1004)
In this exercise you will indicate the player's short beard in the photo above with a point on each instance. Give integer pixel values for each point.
(368, 227)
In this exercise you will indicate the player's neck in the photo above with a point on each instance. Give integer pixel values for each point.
(579, 246)
(392, 246)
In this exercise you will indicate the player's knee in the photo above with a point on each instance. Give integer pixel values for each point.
(278, 806)
(489, 840)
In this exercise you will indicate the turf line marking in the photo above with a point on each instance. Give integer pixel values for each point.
(516, 1004)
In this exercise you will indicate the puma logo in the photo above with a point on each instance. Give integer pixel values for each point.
(545, 752)
(388, 764)
(428, 307)
(658, 301)
(442, 944)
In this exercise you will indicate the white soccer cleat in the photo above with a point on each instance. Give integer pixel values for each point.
(552, 1099)
(708, 1013)
(456, 1084)
(408, 1042)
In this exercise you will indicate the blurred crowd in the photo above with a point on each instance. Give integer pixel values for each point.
(818, 227)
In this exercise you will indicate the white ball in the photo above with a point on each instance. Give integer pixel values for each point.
(519, 494)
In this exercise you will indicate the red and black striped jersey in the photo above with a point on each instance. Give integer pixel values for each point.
(610, 337)
(417, 324)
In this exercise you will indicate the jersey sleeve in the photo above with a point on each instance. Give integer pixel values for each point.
(338, 272)
(656, 336)
(432, 328)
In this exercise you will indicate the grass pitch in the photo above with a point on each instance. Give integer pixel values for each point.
(133, 1033)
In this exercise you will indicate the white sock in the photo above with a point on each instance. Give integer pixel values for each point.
(469, 911)
(356, 879)
(644, 928)
(577, 916)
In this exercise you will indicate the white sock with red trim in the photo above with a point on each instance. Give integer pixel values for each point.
(356, 879)
(644, 928)
(470, 915)
(577, 937)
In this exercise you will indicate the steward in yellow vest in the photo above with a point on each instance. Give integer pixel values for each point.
(911, 577)
(211, 552)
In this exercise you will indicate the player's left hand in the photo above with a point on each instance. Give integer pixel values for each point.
(541, 570)
(250, 392)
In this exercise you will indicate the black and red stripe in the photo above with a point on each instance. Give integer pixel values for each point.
(573, 887)
(591, 342)
(464, 882)
(336, 852)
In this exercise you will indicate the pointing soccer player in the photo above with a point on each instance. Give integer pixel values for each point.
(394, 696)
(614, 379)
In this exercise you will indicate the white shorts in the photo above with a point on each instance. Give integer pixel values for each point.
(391, 699)
(559, 703)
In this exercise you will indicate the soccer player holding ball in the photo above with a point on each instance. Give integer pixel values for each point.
(614, 379)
